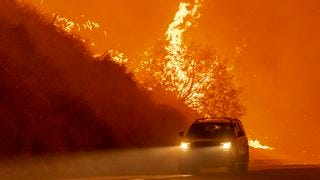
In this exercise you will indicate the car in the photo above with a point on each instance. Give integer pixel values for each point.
(214, 142)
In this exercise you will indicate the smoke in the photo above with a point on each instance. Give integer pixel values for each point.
(278, 67)
(54, 96)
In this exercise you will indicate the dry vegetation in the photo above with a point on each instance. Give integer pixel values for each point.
(54, 96)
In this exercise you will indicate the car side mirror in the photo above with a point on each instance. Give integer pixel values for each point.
(181, 134)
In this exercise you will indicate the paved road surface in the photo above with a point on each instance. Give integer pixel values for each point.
(303, 172)
(155, 163)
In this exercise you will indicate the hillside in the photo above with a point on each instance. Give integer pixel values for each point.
(55, 97)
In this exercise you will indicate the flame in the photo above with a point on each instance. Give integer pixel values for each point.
(186, 17)
(90, 25)
(183, 19)
(176, 69)
(71, 26)
(117, 56)
(257, 145)
(84, 27)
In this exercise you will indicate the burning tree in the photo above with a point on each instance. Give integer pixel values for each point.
(193, 73)
(202, 80)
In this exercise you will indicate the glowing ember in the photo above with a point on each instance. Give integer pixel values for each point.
(71, 26)
(256, 144)
(88, 30)
(117, 56)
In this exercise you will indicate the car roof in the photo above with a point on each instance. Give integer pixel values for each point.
(222, 120)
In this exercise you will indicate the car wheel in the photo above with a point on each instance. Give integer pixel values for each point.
(239, 165)
(243, 168)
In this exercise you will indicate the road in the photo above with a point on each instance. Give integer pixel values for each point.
(154, 163)
(278, 172)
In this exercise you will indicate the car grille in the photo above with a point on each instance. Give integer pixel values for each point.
(202, 144)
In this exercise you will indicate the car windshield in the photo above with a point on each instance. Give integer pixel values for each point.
(210, 130)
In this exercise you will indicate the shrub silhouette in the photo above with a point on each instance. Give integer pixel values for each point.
(55, 97)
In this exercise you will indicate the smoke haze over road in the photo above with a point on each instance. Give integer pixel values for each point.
(273, 44)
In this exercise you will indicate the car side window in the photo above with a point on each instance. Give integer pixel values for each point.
(237, 130)
(241, 128)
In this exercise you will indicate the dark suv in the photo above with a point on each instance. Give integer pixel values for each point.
(214, 143)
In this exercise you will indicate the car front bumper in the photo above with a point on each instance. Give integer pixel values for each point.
(207, 157)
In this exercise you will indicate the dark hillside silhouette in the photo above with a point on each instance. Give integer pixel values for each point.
(55, 97)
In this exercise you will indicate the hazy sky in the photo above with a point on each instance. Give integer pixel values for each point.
(278, 66)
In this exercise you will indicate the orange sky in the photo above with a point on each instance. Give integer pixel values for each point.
(279, 66)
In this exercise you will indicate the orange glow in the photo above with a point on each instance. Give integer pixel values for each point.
(257, 145)
(176, 67)
(117, 56)
(190, 72)
(71, 26)
(273, 47)
(184, 18)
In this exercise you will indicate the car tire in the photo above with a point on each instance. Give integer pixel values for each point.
(239, 165)
(243, 168)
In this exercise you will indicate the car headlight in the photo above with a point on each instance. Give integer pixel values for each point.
(225, 145)
(185, 146)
